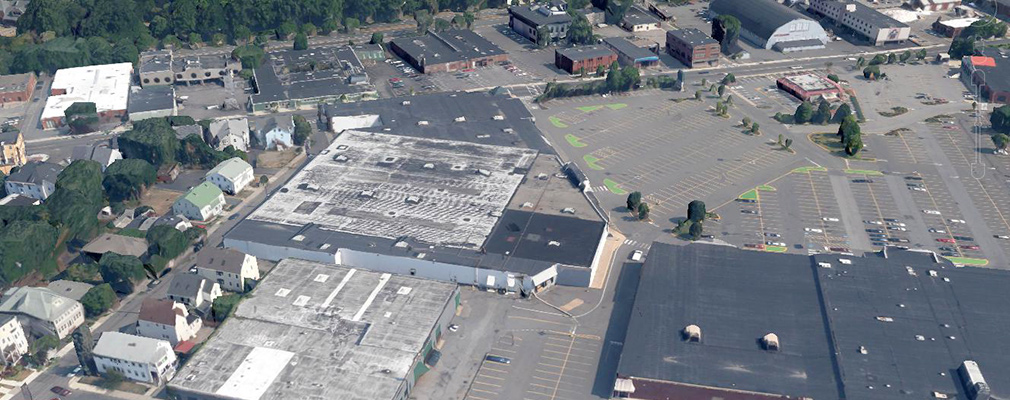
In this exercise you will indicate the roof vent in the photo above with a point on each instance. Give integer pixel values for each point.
(568, 210)
(851, 7)
(499, 117)
(527, 204)
(770, 342)
(429, 166)
(885, 319)
(692, 333)
(460, 119)
(862, 350)
(845, 261)
(298, 238)
(421, 255)
(406, 102)
(340, 158)
(401, 244)
(911, 271)
(324, 246)
(824, 264)
(367, 193)
(413, 199)
(495, 213)
(508, 130)
(422, 123)
(932, 272)
(483, 172)
(554, 243)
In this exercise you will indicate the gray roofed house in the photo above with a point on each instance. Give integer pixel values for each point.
(17, 200)
(43, 311)
(151, 102)
(11, 10)
(276, 131)
(194, 291)
(102, 154)
(771, 25)
(69, 289)
(34, 179)
(182, 132)
(527, 19)
(119, 244)
(229, 132)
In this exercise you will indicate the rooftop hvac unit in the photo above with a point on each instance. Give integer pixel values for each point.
(460, 119)
(771, 342)
(483, 172)
(692, 333)
(973, 381)
(422, 123)
(568, 210)
(499, 117)
(413, 199)
(406, 102)
(554, 243)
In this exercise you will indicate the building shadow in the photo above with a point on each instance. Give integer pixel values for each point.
(617, 328)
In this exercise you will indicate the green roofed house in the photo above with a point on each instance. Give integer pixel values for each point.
(201, 203)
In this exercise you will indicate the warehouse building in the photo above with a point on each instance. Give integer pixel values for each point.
(317, 331)
(447, 51)
(527, 19)
(292, 79)
(866, 22)
(773, 26)
(151, 102)
(630, 55)
(576, 60)
(713, 321)
(952, 27)
(639, 20)
(108, 86)
(692, 47)
(810, 87)
(162, 67)
(989, 74)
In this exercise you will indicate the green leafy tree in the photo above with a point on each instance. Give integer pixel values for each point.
(580, 32)
(98, 299)
(82, 117)
(696, 210)
(351, 25)
(823, 114)
(878, 59)
(696, 230)
(127, 179)
(850, 135)
(442, 25)
(728, 79)
(803, 113)
(860, 62)
(834, 78)
(872, 72)
(905, 56)
(87, 273)
(1000, 119)
(1000, 140)
(921, 54)
(781, 138)
(224, 305)
(697, 95)
(39, 349)
(112, 380)
(755, 129)
(121, 272)
(301, 42)
(377, 38)
(854, 145)
(891, 58)
(424, 20)
(151, 139)
(726, 30)
(78, 198)
(27, 246)
(746, 122)
(643, 211)
(250, 55)
(721, 90)
(543, 36)
(264, 180)
(302, 130)
(309, 29)
(634, 199)
(787, 144)
(843, 111)
(166, 241)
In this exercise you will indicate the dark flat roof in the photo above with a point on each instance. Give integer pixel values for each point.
(447, 46)
(870, 15)
(151, 98)
(638, 16)
(289, 74)
(535, 17)
(932, 317)
(440, 111)
(628, 49)
(691, 36)
(585, 52)
(998, 77)
(542, 237)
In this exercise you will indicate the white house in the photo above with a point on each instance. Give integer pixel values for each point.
(42, 311)
(230, 132)
(228, 267)
(194, 291)
(13, 343)
(35, 179)
(167, 320)
(137, 358)
(231, 175)
(277, 132)
(201, 203)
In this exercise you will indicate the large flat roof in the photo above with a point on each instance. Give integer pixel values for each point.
(871, 327)
(448, 46)
(308, 74)
(486, 118)
(585, 52)
(311, 330)
(151, 98)
(15, 83)
(390, 186)
(108, 86)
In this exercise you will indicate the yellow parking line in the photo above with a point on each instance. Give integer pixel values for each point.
(492, 369)
(491, 377)
(485, 383)
(505, 350)
(538, 320)
(483, 391)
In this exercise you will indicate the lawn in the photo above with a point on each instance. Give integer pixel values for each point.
(776, 249)
(867, 172)
(803, 170)
(614, 187)
(976, 262)
(589, 109)
(557, 122)
(574, 141)
(749, 195)
(132, 232)
(616, 106)
(591, 162)
(766, 188)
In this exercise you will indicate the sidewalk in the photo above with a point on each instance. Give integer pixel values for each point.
(75, 383)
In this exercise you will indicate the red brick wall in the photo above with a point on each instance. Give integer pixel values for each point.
(19, 96)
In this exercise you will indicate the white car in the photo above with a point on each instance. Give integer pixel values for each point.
(934, 230)
(830, 219)
(917, 189)
(896, 223)
(814, 230)
(897, 228)
(1004, 237)
(636, 255)
(956, 221)
(780, 244)
(874, 222)
(931, 212)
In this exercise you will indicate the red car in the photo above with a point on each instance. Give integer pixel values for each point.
(969, 247)
(394, 80)
(945, 240)
(60, 391)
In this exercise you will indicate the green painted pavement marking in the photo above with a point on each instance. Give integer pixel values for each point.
(766, 188)
(574, 140)
(557, 122)
(864, 172)
(591, 162)
(776, 249)
(588, 109)
(613, 187)
(978, 262)
(616, 106)
(803, 170)
(749, 195)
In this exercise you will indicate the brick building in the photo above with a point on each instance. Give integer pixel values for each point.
(108, 86)
(810, 87)
(447, 51)
(587, 58)
(16, 89)
(692, 47)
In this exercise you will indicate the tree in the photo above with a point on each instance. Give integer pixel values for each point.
(860, 62)
(696, 210)
(721, 90)
(803, 113)
(152, 140)
(643, 211)
(787, 144)
(891, 58)
(98, 299)
(878, 59)
(580, 32)
(755, 129)
(166, 241)
(112, 379)
(78, 197)
(120, 271)
(82, 117)
(726, 30)
(442, 25)
(1000, 119)
(351, 25)
(921, 54)
(377, 38)
(872, 72)
(126, 179)
(39, 349)
(601, 70)
(834, 78)
(264, 180)
(696, 230)
(854, 145)
(728, 79)
(1000, 140)
(301, 42)
(746, 122)
(781, 138)
(224, 305)
(850, 135)
(27, 246)
(905, 56)
(634, 199)
(843, 111)
(543, 36)
(697, 95)
(823, 114)
(302, 130)
(704, 82)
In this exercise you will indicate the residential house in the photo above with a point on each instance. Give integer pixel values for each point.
(527, 20)
(194, 291)
(277, 132)
(176, 221)
(11, 10)
(13, 343)
(167, 320)
(231, 269)
(168, 172)
(119, 244)
(34, 179)
(42, 311)
(12, 151)
(69, 289)
(229, 132)
(201, 203)
(17, 200)
(137, 358)
(231, 175)
(101, 154)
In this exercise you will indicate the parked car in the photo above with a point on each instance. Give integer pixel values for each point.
(153, 283)
(497, 359)
(913, 178)
(60, 390)
(780, 244)
(874, 230)
(749, 211)
(945, 240)
(192, 269)
(892, 220)
(772, 235)
(964, 238)
(830, 219)
(814, 230)
(896, 224)
(931, 212)
(636, 255)
(1004, 237)
(970, 247)
(956, 221)
(874, 222)
(862, 181)
(934, 230)
(896, 228)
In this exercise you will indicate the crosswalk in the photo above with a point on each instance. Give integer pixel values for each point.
(635, 243)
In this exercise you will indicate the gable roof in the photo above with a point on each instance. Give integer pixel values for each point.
(231, 168)
(218, 259)
(102, 154)
(119, 244)
(283, 123)
(203, 194)
(37, 173)
(36, 302)
(230, 127)
(186, 285)
(161, 311)
(69, 289)
(761, 17)
(133, 348)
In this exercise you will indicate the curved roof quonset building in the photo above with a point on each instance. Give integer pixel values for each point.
(771, 25)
